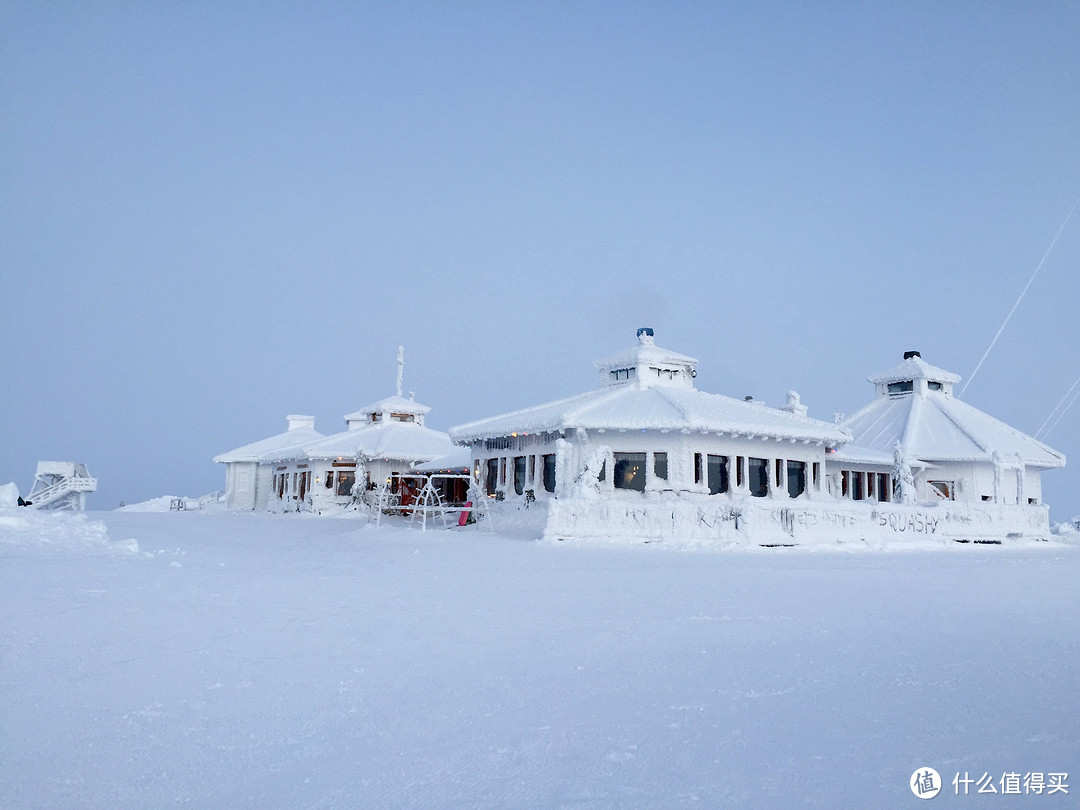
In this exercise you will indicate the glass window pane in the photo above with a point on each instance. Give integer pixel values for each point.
(519, 474)
(630, 471)
(660, 465)
(549, 472)
(796, 478)
(758, 477)
(718, 474)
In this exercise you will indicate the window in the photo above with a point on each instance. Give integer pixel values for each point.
(699, 474)
(739, 474)
(858, 491)
(796, 478)
(933, 385)
(758, 475)
(375, 417)
(902, 387)
(519, 474)
(660, 466)
(345, 481)
(717, 474)
(402, 417)
(845, 483)
(549, 472)
(330, 480)
(943, 489)
(883, 486)
(630, 471)
(491, 477)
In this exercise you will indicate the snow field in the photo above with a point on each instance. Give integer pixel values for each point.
(222, 660)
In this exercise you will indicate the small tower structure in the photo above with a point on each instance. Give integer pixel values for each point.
(61, 485)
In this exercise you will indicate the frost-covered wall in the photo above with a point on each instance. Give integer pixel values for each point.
(718, 520)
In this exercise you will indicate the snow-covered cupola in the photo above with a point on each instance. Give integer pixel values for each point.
(913, 375)
(647, 366)
(391, 409)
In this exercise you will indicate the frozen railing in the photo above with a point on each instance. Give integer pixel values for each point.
(65, 487)
(194, 504)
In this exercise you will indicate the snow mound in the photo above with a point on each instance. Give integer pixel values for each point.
(161, 504)
(1068, 532)
(9, 496)
(58, 531)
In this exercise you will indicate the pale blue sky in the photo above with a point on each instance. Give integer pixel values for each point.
(212, 215)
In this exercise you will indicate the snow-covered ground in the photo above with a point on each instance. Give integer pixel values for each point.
(216, 660)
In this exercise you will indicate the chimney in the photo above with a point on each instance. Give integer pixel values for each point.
(298, 421)
(909, 355)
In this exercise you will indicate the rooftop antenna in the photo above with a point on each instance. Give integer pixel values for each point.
(1018, 300)
(400, 367)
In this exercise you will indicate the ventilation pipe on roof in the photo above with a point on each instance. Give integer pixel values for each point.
(909, 355)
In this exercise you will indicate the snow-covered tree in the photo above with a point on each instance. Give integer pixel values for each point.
(903, 480)
(587, 482)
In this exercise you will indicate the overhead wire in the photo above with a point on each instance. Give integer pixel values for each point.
(1040, 432)
(1018, 300)
(1063, 410)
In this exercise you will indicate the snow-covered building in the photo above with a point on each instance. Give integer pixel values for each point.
(644, 439)
(381, 443)
(249, 469)
(648, 456)
(954, 452)
(304, 469)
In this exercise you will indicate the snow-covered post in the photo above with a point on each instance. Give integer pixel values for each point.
(903, 481)
(564, 468)
(359, 487)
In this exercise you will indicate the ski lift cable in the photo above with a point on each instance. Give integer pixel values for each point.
(1063, 412)
(1053, 413)
(1018, 300)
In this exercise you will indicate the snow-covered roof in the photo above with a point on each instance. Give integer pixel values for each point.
(283, 445)
(661, 408)
(391, 404)
(645, 352)
(646, 364)
(458, 459)
(914, 368)
(932, 425)
(406, 441)
(638, 402)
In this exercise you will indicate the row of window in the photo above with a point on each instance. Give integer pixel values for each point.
(866, 486)
(752, 474)
(295, 483)
(524, 471)
(907, 386)
(629, 472)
